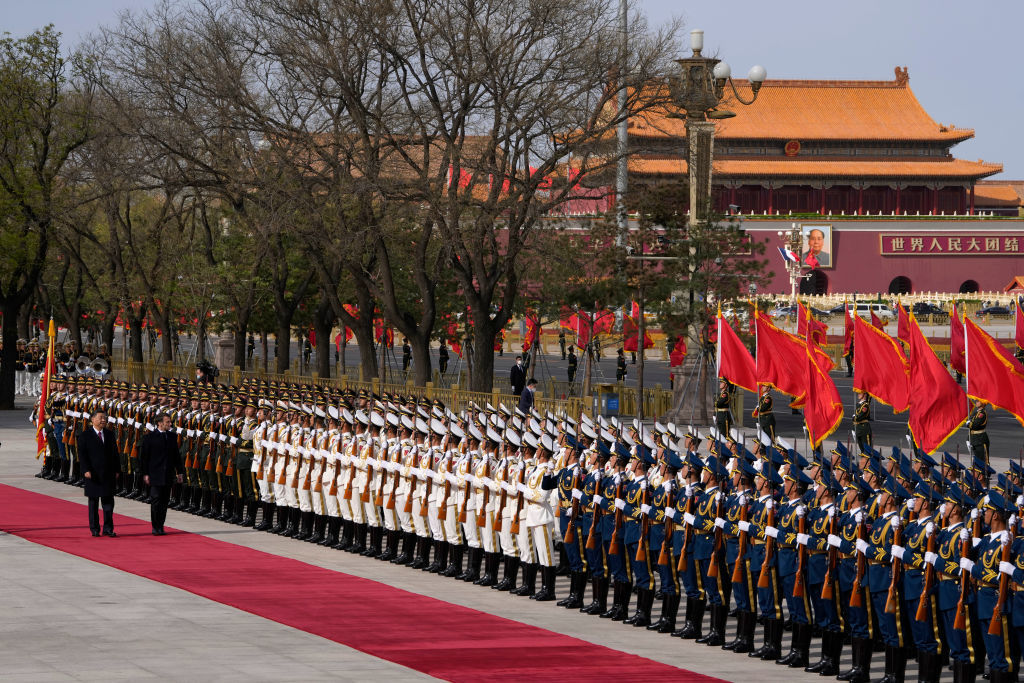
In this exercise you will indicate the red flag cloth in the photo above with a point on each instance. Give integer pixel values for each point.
(634, 310)
(604, 321)
(44, 392)
(902, 325)
(956, 343)
(678, 352)
(823, 409)
(734, 360)
(880, 367)
(810, 260)
(631, 331)
(781, 360)
(533, 330)
(818, 329)
(1018, 327)
(938, 405)
(847, 329)
(994, 376)
(452, 332)
(499, 340)
(312, 337)
(580, 323)
(877, 322)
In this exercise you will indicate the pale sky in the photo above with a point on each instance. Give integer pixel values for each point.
(963, 57)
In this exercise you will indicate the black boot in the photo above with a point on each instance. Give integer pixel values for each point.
(249, 518)
(292, 530)
(305, 526)
(746, 622)
(510, 567)
(563, 561)
(547, 585)
(490, 570)
(405, 556)
(419, 560)
(826, 655)
(577, 584)
(435, 564)
(642, 616)
(968, 674)
(472, 573)
(376, 538)
(319, 522)
(598, 588)
(620, 602)
(669, 607)
(772, 641)
(454, 567)
(359, 544)
(331, 531)
(227, 508)
(240, 511)
(390, 551)
(440, 558)
(529, 585)
(694, 623)
(280, 516)
(195, 502)
(65, 472)
(798, 651)
(213, 511)
(862, 649)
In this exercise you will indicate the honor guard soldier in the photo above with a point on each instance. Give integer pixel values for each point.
(792, 552)
(540, 517)
(610, 500)
(993, 571)
(570, 509)
(764, 557)
(955, 592)
(919, 558)
(764, 412)
(977, 423)
(737, 551)
(637, 512)
(660, 538)
(709, 547)
(862, 422)
(883, 549)
(572, 364)
(595, 459)
(823, 571)
(682, 541)
(723, 413)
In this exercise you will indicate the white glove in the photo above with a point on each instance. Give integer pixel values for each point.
(645, 509)
(975, 513)
(859, 517)
(862, 546)
(689, 490)
(771, 531)
(964, 535)
(598, 499)
(577, 494)
(620, 504)
(769, 504)
(1006, 568)
(929, 529)
(911, 503)
(670, 513)
(1020, 501)
(742, 500)
(975, 541)
(1012, 522)
(931, 558)
(896, 522)
(234, 441)
(801, 511)
(803, 539)
(897, 552)
(942, 510)
(718, 496)
(966, 565)
(688, 518)
(834, 541)
(744, 527)
(719, 522)
(832, 512)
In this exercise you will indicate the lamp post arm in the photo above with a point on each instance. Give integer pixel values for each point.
(740, 98)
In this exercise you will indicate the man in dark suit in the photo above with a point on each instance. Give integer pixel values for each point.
(160, 465)
(101, 467)
(526, 398)
(517, 376)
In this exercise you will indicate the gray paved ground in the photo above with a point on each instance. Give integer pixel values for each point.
(70, 618)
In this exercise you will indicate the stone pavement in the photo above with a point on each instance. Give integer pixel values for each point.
(69, 618)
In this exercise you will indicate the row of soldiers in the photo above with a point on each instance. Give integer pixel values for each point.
(899, 551)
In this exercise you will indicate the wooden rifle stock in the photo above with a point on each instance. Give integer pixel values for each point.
(960, 620)
(616, 545)
(764, 578)
(995, 626)
(442, 510)
(396, 478)
(230, 469)
(665, 556)
(827, 588)
(892, 600)
(713, 569)
(481, 514)
(801, 554)
(592, 536)
(570, 532)
(856, 597)
(929, 580)
(737, 568)
(514, 527)
(351, 472)
(687, 533)
(645, 527)
(426, 494)
(365, 496)
(379, 498)
(498, 523)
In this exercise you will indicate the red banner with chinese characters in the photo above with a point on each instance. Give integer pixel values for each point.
(952, 244)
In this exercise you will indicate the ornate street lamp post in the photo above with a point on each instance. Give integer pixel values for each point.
(794, 241)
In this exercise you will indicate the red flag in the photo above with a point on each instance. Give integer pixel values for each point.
(877, 322)
(804, 321)
(678, 352)
(1018, 327)
(499, 339)
(994, 376)
(631, 331)
(44, 391)
(880, 367)
(823, 409)
(847, 328)
(810, 260)
(734, 360)
(938, 405)
(604, 321)
(781, 360)
(533, 330)
(902, 325)
(312, 337)
(956, 343)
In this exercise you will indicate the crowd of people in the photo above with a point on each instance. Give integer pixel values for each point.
(901, 552)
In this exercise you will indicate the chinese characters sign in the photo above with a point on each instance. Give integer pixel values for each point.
(970, 244)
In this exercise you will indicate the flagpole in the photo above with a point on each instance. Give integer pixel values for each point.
(44, 393)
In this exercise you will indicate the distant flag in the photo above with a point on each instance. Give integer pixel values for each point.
(678, 352)
(957, 343)
(811, 261)
(847, 328)
(994, 375)
(938, 406)
(734, 360)
(877, 322)
(788, 255)
(44, 390)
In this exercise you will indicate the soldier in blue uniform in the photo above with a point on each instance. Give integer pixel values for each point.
(590, 532)
(852, 586)
(919, 561)
(660, 542)
(950, 574)
(612, 486)
(682, 543)
(637, 509)
(709, 548)
(822, 569)
(1002, 649)
(570, 477)
(737, 510)
(764, 567)
(793, 542)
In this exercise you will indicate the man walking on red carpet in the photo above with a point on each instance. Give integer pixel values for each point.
(101, 467)
(161, 467)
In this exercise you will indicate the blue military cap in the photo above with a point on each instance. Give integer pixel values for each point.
(747, 468)
(673, 459)
(993, 500)
(954, 494)
(797, 475)
(692, 461)
(844, 464)
(771, 474)
(862, 486)
(722, 450)
(978, 465)
(602, 449)
(711, 464)
(1006, 487)
(831, 482)
(645, 454)
(923, 457)
(572, 442)
(874, 467)
(894, 488)
(896, 454)
(972, 482)
(950, 462)
(841, 449)
(923, 490)
(1016, 469)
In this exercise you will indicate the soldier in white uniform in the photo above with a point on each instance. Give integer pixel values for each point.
(468, 501)
(304, 475)
(316, 452)
(263, 462)
(346, 472)
(390, 479)
(329, 479)
(358, 482)
(281, 458)
(369, 465)
(540, 516)
(449, 511)
(423, 479)
(408, 457)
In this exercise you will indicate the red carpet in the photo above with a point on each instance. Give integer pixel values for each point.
(438, 638)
